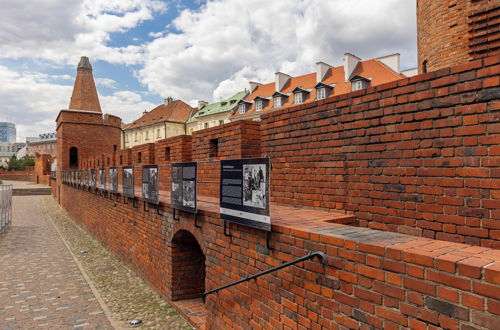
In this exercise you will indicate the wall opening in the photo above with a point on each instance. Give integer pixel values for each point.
(214, 148)
(188, 267)
(167, 153)
(73, 157)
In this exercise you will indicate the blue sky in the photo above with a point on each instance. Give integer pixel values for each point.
(145, 50)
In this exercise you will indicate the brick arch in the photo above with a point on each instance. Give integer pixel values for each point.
(187, 266)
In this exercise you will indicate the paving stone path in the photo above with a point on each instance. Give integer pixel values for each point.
(41, 284)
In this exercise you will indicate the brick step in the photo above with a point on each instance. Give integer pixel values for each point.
(31, 191)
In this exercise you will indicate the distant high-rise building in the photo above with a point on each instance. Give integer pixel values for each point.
(7, 132)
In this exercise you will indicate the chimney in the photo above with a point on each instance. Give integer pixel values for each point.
(253, 85)
(168, 100)
(391, 61)
(321, 70)
(350, 63)
(202, 104)
(144, 112)
(280, 80)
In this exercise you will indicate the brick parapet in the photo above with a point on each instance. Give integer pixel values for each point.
(373, 278)
(417, 156)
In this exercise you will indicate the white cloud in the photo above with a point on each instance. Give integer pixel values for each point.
(106, 82)
(61, 31)
(228, 42)
(33, 103)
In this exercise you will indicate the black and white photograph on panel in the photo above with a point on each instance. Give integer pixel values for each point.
(113, 180)
(85, 178)
(93, 174)
(183, 192)
(176, 193)
(150, 183)
(254, 185)
(128, 181)
(244, 192)
(102, 179)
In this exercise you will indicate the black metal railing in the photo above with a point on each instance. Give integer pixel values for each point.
(311, 255)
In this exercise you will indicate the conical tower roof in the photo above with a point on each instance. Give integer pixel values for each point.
(84, 95)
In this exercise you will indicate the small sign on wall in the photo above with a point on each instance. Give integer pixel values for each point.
(113, 180)
(150, 183)
(183, 193)
(128, 181)
(244, 192)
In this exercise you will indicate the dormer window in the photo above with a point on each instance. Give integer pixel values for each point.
(321, 94)
(298, 98)
(277, 101)
(242, 108)
(359, 84)
(258, 105)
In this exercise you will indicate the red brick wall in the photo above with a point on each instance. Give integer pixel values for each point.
(417, 156)
(42, 169)
(380, 279)
(17, 175)
(451, 32)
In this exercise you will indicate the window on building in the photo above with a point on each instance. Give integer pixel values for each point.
(135, 137)
(298, 98)
(158, 133)
(258, 105)
(221, 122)
(115, 147)
(147, 135)
(167, 153)
(424, 66)
(321, 93)
(359, 84)
(242, 108)
(207, 125)
(176, 131)
(277, 101)
(73, 157)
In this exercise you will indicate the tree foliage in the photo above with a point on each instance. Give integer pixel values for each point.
(20, 164)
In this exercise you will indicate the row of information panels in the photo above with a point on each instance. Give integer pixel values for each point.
(244, 187)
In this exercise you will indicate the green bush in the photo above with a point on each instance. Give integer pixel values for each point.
(20, 164)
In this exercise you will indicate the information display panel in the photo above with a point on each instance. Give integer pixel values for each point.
(113, 180)
(102, 179)
(244, 192)
(150, 183)
(93, 179)
(86, 179)
(128, 181)
(183, 193)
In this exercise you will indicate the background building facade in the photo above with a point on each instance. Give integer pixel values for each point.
(7, 132)
(166, 120)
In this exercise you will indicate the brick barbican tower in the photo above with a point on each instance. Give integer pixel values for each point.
(451, 32)
(82, 130)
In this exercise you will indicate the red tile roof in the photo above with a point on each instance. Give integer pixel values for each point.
(176, 111)
(373, 69)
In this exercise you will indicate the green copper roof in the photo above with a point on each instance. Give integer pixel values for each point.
(217, 107)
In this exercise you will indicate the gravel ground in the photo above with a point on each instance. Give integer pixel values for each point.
(126, 295)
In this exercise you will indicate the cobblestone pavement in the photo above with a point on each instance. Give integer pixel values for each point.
(126, 295)
(40, 283)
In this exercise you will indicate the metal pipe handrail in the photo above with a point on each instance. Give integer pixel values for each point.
(308, 256)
